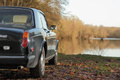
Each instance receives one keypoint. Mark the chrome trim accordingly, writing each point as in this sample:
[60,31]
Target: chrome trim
[2,57]
[3,36]
[36,35]
[50,57]
[52,37]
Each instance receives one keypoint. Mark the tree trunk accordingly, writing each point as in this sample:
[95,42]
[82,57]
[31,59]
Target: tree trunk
[18,2]
[12,2]
[21,3]
[4,2]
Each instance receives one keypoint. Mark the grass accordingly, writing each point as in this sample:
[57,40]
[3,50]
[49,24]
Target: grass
[83,67]
[74,67]
[90,64]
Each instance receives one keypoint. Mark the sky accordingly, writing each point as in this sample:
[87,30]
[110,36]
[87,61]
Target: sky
[96,12]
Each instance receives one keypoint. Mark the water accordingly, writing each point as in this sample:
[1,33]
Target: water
[109,47]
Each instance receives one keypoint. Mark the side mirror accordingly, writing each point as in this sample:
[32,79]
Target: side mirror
[53,27]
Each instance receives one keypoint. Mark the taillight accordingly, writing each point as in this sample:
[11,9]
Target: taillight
[25,39]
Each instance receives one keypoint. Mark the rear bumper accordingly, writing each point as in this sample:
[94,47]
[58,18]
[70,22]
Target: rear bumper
[13,61]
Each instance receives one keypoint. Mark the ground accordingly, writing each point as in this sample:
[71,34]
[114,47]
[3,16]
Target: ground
[73,67]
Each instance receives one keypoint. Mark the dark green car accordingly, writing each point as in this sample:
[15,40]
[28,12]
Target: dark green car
[26,40]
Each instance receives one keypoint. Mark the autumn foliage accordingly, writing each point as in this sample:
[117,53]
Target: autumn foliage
[72,27]
[69,27]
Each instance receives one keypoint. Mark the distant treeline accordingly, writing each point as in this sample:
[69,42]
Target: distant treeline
[67,27]
[72,27]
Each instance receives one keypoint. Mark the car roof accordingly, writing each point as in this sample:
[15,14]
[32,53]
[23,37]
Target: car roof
[15,7]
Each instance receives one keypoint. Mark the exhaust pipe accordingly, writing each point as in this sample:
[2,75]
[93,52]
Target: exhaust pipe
[20,67]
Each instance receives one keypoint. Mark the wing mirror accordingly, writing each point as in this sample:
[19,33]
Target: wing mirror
[53,27]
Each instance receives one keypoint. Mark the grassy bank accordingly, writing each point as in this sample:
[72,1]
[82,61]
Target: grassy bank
[84,67]
[73,67]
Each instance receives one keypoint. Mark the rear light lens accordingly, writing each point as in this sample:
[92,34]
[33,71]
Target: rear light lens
[25,39]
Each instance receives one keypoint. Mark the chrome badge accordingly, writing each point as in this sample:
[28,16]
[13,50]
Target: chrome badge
[6,47]
[3,36]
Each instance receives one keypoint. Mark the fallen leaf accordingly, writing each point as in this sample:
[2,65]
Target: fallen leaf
[71,73]
[112,71]
[70,65]
[81,63]
[58,64]
[96,67]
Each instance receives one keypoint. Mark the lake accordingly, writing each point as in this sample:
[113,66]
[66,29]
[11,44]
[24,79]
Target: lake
[109,47]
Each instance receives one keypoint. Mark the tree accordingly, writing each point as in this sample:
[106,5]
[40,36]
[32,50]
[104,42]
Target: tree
[53,9]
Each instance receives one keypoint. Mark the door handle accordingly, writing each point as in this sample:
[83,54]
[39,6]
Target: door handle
[47,31]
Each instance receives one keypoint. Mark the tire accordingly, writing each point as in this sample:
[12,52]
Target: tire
[39,70]
[54,60]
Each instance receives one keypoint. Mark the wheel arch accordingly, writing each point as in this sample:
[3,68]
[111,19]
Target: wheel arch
[44,45]
[57,44]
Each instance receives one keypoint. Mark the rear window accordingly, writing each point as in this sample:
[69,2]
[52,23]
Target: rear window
[16,17]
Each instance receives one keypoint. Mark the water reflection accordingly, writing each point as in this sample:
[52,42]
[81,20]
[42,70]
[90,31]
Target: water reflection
[94,47]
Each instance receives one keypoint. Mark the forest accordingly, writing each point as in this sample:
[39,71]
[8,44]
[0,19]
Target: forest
[68,27]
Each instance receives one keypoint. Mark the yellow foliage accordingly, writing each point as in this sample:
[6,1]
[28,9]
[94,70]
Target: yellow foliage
[67,27]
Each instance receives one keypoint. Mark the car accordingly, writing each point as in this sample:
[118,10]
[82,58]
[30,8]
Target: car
[26,40]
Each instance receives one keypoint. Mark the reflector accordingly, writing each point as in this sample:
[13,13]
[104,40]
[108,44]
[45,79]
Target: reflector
[26,34]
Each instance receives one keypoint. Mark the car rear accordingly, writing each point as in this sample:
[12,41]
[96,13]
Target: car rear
[14,23]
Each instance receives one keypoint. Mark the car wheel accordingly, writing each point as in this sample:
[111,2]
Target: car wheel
[39,70]
[53,61]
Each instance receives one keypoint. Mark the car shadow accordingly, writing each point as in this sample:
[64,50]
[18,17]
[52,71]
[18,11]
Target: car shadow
[23,74]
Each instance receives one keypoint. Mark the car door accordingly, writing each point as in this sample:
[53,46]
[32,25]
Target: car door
[48,35]
[53,39]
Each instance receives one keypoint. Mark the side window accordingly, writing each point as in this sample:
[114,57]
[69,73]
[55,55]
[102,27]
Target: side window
[44,22]
[39,20]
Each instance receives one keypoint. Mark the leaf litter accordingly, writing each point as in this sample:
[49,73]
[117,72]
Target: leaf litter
[72,67]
